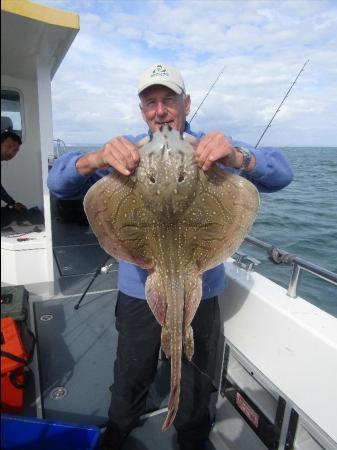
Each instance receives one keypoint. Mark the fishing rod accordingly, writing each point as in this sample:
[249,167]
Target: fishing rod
[277,110]
[208,92]
[280,105]
[103,268]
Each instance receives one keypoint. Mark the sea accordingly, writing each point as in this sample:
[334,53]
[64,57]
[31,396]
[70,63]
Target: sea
[301,219]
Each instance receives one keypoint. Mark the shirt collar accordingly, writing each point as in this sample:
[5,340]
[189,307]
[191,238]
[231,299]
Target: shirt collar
[187,129]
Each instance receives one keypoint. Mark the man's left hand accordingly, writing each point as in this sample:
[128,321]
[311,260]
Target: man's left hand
[215,146]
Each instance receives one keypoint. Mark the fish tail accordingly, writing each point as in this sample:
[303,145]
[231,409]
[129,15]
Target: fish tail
[175,384]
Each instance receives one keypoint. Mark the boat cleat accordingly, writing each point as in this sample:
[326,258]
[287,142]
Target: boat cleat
[245,262]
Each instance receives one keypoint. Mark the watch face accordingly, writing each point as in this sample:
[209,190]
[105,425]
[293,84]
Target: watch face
[246,159]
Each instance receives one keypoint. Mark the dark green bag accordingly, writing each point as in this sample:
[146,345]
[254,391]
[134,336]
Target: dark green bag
[14,302]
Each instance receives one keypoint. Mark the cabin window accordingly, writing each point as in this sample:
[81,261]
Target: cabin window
[11,119]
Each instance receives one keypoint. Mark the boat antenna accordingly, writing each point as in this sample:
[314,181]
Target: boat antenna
[208,92]
[280,105]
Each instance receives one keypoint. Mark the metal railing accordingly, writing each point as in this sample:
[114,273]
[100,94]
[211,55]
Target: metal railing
[279,256]
[59,148]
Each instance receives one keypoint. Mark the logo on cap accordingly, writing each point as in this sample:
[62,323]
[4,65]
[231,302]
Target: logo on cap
[159,71]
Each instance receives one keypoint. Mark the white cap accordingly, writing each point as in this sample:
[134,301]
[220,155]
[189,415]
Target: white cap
[164,75]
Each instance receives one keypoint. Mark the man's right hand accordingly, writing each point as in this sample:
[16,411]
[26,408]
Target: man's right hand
[118,153]
[19,207]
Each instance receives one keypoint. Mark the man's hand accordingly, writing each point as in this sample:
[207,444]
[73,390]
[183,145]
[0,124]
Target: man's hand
[215,146]
[119,153]
[19,207]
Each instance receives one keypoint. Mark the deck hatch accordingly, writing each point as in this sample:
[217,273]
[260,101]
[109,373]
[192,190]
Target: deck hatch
[261,410]
[303,433]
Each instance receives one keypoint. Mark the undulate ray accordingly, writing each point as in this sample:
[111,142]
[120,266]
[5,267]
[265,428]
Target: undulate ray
[175,221]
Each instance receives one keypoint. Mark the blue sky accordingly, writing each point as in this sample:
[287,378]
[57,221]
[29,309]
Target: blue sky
[261,44]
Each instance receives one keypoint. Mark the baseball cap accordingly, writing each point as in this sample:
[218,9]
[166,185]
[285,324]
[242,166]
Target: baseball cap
[164,75]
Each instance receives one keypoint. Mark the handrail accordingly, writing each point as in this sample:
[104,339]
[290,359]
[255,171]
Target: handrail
[59,144]
[279,256]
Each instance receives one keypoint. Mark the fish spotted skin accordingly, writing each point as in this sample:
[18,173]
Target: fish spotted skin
[175,221]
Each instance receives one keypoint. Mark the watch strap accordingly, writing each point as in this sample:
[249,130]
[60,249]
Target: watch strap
[247,156]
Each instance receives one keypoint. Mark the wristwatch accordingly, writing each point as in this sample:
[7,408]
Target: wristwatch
[247,156]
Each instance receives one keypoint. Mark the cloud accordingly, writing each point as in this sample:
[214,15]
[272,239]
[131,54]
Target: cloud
[261,45]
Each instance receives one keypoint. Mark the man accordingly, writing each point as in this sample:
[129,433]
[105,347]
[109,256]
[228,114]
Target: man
[10,145]
[163,99]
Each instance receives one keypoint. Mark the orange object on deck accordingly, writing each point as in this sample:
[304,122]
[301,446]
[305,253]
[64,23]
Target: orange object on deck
[13,361]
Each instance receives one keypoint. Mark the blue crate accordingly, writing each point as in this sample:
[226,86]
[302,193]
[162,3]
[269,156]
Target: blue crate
[25,433]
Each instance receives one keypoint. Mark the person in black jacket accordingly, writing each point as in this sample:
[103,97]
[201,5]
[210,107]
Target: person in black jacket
[10,145]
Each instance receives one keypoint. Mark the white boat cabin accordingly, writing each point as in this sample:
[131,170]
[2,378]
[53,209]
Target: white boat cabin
[34,40]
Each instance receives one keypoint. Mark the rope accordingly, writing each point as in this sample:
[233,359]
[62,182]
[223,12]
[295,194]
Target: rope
[277,256]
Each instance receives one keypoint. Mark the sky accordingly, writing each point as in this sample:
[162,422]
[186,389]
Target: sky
[259,45]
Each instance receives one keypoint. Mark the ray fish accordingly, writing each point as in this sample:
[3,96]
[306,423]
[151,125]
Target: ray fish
[176,221]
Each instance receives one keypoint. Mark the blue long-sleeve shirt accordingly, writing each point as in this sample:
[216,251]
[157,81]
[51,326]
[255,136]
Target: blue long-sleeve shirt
[272,172]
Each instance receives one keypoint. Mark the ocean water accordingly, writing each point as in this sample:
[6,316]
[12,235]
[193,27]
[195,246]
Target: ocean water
[300,219]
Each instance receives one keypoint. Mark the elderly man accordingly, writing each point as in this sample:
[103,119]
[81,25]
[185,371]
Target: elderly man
[163,100]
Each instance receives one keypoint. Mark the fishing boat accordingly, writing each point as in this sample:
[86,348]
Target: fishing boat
[277,360]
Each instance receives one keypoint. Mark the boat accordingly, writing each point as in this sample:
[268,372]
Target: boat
[277,360]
